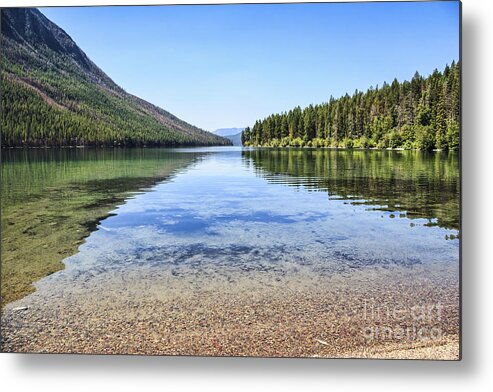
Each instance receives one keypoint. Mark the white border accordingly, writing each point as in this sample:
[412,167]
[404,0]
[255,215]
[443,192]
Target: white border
[473,373]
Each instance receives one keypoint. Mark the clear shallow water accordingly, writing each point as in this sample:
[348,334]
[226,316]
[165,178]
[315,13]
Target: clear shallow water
[227,211]
[248,244]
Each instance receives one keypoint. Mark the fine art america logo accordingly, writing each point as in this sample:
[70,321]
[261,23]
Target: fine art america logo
[397,323]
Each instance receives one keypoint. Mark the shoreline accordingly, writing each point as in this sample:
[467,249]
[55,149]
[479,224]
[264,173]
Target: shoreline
[355,148]
[218,145]
[302,315]
[104,147]
[447,349]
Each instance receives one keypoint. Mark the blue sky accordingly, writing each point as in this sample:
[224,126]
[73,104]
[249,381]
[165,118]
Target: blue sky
[226,66]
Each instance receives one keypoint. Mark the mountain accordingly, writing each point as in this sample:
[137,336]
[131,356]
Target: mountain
[235,139]
[233,134]
[54,95]
[228,131]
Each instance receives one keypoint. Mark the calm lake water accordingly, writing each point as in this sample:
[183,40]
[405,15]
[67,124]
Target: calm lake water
[223,205]
[232,215]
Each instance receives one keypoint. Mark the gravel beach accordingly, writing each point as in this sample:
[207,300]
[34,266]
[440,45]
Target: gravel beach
[400,313]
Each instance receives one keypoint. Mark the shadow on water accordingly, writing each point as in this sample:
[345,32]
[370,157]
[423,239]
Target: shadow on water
[417,184]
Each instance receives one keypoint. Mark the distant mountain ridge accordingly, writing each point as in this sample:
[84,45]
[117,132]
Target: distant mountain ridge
[227,131]
[233,134]
[54,95]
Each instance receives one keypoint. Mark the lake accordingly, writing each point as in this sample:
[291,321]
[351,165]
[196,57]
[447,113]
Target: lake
[230,251]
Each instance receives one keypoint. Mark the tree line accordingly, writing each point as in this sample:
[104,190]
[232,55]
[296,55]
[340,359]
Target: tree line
[423,114]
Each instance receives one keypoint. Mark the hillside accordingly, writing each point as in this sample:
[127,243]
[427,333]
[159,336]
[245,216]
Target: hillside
[423,114]
[54,95]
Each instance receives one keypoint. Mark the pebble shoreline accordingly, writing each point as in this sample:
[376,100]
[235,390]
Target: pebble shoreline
[328,317]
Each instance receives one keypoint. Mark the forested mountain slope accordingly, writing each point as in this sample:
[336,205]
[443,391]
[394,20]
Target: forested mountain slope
[422,113]
[54,95]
